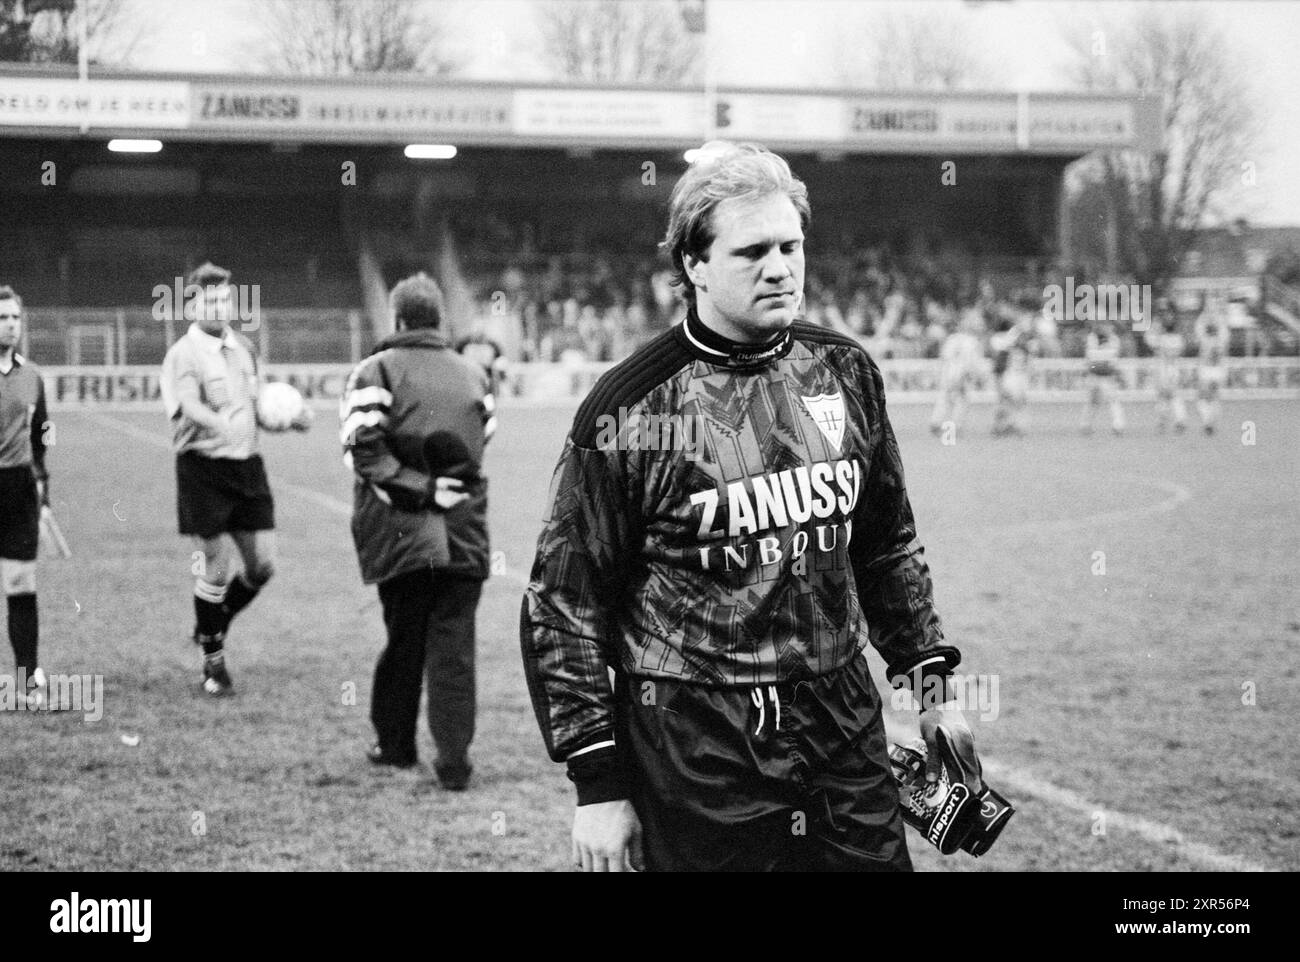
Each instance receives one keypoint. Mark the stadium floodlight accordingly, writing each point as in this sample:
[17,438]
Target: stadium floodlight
[430,151]
[702,153]
[135,146]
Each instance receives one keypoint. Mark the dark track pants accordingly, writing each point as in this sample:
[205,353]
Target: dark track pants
[815,794]
[430,621]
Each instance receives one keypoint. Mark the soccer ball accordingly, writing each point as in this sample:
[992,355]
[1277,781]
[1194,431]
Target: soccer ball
[279,405]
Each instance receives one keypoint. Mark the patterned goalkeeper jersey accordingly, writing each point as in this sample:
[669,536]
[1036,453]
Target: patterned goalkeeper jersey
[727,515]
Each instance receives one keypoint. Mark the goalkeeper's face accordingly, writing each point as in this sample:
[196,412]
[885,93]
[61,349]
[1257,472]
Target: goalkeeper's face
[751,285]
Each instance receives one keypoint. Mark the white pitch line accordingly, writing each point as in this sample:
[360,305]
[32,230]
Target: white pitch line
[1018,780]
[1178,495]
[1152,831]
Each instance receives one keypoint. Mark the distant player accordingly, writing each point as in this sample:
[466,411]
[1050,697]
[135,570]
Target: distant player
[487,354]
[1170,407]
[1011,349]
[1102,351]
[24,487]
[960,360]
[209,389]
[1212,348]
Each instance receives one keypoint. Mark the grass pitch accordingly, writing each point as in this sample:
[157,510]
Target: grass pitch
[1126,731]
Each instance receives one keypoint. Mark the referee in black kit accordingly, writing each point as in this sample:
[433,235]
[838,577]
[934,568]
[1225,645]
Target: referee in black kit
[23,489]
[416,418]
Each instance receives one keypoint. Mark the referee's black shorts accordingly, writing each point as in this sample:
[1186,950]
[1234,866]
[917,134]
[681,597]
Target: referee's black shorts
[20,514]
[217,495]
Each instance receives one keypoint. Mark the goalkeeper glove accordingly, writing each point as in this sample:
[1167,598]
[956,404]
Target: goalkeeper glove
[947,813]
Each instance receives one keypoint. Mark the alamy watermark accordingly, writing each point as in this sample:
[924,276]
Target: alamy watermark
[1124,303]
[78,693]
[77,916]
[970,693]
[636,431]
[233,302]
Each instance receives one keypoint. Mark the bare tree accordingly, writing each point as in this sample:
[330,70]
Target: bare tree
[914,48]
[1156,201]
[617,41]
[49,31]
[338,38]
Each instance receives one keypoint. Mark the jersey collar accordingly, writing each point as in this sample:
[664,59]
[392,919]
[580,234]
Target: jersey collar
[708,345]
[210,342]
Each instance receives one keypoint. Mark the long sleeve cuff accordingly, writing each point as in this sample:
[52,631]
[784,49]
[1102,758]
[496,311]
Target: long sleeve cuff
[929,680]
[599,775]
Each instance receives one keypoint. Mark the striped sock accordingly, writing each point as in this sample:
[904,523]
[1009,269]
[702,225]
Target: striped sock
[209,599]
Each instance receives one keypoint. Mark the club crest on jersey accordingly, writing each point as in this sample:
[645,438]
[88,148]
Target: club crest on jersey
[827,412]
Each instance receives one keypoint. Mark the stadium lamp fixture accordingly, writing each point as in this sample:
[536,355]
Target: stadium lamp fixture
[430,151]
[135,146]
[699,153]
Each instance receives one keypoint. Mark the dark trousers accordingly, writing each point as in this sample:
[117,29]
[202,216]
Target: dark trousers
[720,785]
[430,620]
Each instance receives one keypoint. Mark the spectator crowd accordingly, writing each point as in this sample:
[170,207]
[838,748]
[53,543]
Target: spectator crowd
[600,306]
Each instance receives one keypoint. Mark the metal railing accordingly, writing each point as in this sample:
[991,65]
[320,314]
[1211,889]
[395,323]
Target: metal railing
[133,335]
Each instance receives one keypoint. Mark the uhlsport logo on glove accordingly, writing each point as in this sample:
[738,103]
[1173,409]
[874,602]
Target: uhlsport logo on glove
[951,815]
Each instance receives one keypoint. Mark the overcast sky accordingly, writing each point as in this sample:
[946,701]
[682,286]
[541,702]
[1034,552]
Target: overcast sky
[796,43]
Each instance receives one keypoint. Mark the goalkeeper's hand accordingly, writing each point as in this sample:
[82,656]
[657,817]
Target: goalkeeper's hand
[936,796]
[43,491]
[961,741]
[607,837]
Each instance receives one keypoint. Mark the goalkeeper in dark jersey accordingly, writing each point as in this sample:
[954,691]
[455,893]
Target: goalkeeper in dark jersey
[730,565]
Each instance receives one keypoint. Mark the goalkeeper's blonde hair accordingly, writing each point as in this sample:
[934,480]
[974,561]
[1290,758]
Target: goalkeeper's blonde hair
[723,171]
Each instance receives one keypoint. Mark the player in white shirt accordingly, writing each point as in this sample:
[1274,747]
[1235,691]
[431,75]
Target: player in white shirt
[961,358]
[1212,347]
[1102,351]
[1169,347]
[1011,348]
[209,386]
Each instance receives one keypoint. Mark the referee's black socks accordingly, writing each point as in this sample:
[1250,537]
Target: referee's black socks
[23,630]
[240,594]
[209,613]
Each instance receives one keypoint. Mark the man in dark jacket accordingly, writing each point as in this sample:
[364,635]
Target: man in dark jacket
[416,417]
